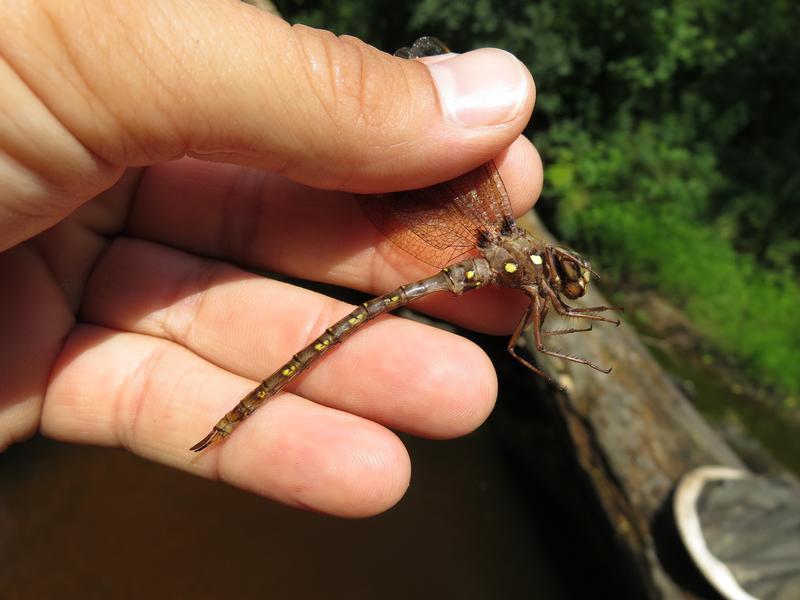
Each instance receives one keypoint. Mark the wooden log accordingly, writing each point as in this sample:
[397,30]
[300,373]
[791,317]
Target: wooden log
[634,433]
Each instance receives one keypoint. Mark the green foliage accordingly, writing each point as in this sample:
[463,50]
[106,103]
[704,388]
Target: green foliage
[636,199]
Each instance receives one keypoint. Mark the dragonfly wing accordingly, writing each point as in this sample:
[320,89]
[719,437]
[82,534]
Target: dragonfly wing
[434,233]
[481,195]
[424,46]
[443,222]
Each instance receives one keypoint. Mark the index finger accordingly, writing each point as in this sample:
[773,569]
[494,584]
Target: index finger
[270,223]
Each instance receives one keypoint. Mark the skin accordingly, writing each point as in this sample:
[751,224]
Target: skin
[146,150]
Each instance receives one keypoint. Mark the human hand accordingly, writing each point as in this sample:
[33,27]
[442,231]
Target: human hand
[124,320]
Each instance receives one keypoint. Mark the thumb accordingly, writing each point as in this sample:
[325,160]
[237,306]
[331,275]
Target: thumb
[118,84]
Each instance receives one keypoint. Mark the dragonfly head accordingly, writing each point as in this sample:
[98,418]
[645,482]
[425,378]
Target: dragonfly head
[574,273]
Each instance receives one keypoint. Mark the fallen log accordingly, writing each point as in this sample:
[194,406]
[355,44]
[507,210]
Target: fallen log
[633,432]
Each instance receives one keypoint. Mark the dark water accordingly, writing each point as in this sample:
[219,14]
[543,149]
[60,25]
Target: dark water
[777,435]
[97,523]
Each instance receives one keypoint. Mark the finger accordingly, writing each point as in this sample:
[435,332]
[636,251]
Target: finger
[274,224]
[33,324]
[155,398]
[400,373]
[224,81]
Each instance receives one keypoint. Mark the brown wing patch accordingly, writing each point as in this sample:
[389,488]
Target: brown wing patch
[446,221]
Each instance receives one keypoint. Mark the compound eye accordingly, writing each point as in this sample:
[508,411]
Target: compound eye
[574,289]
[571,270]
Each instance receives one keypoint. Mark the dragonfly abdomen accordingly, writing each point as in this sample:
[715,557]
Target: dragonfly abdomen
[458,278]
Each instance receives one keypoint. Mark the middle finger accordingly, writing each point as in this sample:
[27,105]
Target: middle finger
[394,371]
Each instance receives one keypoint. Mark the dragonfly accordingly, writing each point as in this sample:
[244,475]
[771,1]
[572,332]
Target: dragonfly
[464,227]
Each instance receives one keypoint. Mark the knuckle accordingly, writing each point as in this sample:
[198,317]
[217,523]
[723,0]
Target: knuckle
[355,84]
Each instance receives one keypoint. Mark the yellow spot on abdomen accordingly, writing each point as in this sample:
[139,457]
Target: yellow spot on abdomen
[510,267]
[470,274]
[261,394]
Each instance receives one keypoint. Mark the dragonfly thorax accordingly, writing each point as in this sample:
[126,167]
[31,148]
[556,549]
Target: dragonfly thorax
[517,259]
[520,260]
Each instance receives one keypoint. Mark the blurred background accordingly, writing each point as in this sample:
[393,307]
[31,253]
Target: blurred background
[669,133]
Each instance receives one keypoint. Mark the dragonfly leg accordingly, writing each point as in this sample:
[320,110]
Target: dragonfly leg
[560,331]
[533,314]
[579,313]
[594,309]
[537,338]
[566,331]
